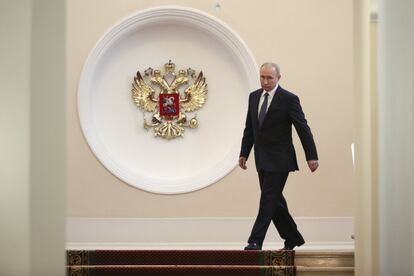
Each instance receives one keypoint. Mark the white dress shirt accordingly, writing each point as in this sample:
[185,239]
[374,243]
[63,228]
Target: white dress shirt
[269,98]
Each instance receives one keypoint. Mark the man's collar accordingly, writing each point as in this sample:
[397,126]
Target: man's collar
[271,92]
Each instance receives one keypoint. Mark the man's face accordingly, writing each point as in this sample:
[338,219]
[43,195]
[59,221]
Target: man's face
[268,77]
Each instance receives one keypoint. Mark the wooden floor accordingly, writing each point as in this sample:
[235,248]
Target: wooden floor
[315,263]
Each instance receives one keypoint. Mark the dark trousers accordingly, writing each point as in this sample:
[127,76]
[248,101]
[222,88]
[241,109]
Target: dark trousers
[273,207]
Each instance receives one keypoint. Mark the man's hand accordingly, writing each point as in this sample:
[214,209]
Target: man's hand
[313,165]
[242,162]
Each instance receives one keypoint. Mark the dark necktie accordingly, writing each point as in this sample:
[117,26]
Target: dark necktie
[263,108]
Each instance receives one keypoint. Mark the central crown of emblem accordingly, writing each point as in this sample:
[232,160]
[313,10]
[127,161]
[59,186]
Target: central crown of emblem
[171,96]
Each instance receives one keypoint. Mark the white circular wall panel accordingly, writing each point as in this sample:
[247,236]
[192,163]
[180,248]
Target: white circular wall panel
[113,125]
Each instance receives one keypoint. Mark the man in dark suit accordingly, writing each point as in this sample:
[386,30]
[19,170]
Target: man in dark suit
[272,111]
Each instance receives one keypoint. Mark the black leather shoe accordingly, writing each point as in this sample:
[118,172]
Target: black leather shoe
[253,246]
[289,246]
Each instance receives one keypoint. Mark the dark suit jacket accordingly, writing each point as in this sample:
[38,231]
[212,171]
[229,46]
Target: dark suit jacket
[273,147]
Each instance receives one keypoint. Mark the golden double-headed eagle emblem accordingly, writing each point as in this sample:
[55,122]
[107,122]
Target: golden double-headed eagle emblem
[171,96]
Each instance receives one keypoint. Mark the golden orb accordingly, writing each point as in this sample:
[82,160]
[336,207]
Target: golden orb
[193,123]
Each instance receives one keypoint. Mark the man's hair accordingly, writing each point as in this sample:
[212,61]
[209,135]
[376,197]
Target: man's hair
[274,65]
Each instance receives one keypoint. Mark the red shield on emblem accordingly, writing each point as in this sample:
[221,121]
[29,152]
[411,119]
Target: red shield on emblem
[169,104]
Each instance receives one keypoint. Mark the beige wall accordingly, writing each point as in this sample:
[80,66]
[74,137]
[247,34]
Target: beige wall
[15,65]
[311,40]
[32,140]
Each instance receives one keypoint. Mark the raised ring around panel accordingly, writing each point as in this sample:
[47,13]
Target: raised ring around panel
[112,125]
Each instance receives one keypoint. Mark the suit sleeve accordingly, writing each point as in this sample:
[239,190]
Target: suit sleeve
[305,135]
[248,139]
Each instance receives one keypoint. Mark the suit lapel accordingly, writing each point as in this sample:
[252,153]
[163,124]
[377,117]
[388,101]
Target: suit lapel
[276,98]
[275,102]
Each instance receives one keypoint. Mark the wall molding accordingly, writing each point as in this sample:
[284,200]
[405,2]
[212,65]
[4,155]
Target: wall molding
[118,138]
[321,233]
